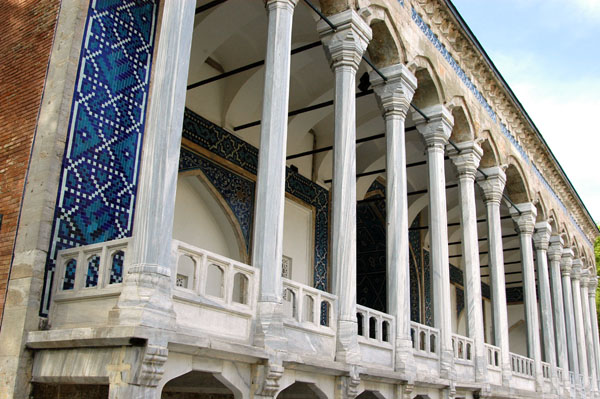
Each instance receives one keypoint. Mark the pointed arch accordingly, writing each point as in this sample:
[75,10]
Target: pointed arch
[385,48]
[517,187]
[463,128]
[429,86]
[491,155]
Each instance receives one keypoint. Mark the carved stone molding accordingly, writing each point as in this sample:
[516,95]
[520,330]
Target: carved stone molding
[153,365]
[268,379]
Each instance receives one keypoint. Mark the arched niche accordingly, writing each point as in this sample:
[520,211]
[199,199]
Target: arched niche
[203,219]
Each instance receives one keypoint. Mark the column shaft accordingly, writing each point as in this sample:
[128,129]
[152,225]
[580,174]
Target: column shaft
[493,187]
[466,159]
[565,266]
[587,323]
[344,49]
[146,295]
[579,323]
[526,221]
[593,285]
[267,244]
[394,96]
[554,255]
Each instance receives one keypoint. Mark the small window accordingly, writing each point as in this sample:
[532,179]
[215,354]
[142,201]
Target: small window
[385,331]
[289,303]
[308,309]
[215,280]
[186,269]
[240,288]
[373,328]
[116,268]
[422,340]
[91,279]
[360,320]
[432,344]
[69,279]
[325,313]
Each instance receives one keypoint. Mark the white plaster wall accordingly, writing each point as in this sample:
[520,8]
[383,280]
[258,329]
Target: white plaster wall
[517,330]
[201,221]
[298,240]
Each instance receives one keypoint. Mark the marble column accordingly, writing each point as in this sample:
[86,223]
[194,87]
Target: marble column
[394,96]
[493,186]
[146,295]
[541,240]
[524,215]
[587,323]
[578,313]
[267,246]
[436,132]
[565,268]
[592,286]
[344,48]
[466,159]
[554,254]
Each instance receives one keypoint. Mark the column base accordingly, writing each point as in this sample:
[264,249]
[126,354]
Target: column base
[269,333]
[405,361]
[347,349]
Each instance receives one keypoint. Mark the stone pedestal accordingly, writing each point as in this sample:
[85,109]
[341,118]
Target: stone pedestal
[344,48]
[436,132]
[394,96]
[466,159]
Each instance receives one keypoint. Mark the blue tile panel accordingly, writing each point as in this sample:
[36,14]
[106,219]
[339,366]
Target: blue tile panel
[96,198]
[116,268]
[507,133]
[240,196]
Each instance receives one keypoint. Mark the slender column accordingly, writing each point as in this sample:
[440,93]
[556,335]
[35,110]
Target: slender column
[146,295]
[565,268]
[554,254]
[525,221]
[267,244]
[344,49]
[589,345]
[492,187]
[541,239]
[436,133]
[592,286]
[394,96]
[578,312]
[466,159]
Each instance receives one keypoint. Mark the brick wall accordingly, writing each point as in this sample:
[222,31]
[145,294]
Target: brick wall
[27,31]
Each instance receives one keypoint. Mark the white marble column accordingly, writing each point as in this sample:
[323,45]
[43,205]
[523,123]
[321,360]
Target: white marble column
[565,268]
[146,295]
[394,96]
[344,48]
[466,159]
[554,254]
[592,286]
[267,245]
[524,215]
[541,240]
[578,313]
[587,323]
[436,133]
[493,186]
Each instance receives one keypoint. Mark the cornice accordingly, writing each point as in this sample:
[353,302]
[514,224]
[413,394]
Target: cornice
[502,106]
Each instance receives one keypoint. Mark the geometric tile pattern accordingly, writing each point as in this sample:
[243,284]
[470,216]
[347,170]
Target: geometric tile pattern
[69,280]
[116,269]
[96,198]
[240,153]
[507,133]
[91,279]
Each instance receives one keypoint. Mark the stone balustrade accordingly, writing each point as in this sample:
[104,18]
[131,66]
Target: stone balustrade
[522,366]
[310,307]
[493,356]
[463,348]
[546,370]
[425,339]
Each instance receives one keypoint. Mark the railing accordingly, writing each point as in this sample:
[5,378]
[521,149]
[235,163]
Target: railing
[374,325]
[90,268]
[308,305]
[425,339]
[218,280]
[463,348]
[521,365]
[493,356]
[559,373]
[546,370]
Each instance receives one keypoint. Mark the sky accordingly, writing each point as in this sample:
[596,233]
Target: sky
[548,51]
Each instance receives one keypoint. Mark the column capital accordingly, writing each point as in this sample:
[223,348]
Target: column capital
[555,249]
[541,236]
[395,94]
[592,285]
[566,261]
[493,184]
[466,158]
[585,278]
[576,269]
[346,45]
[437,130]
[271,4]
[524,215]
